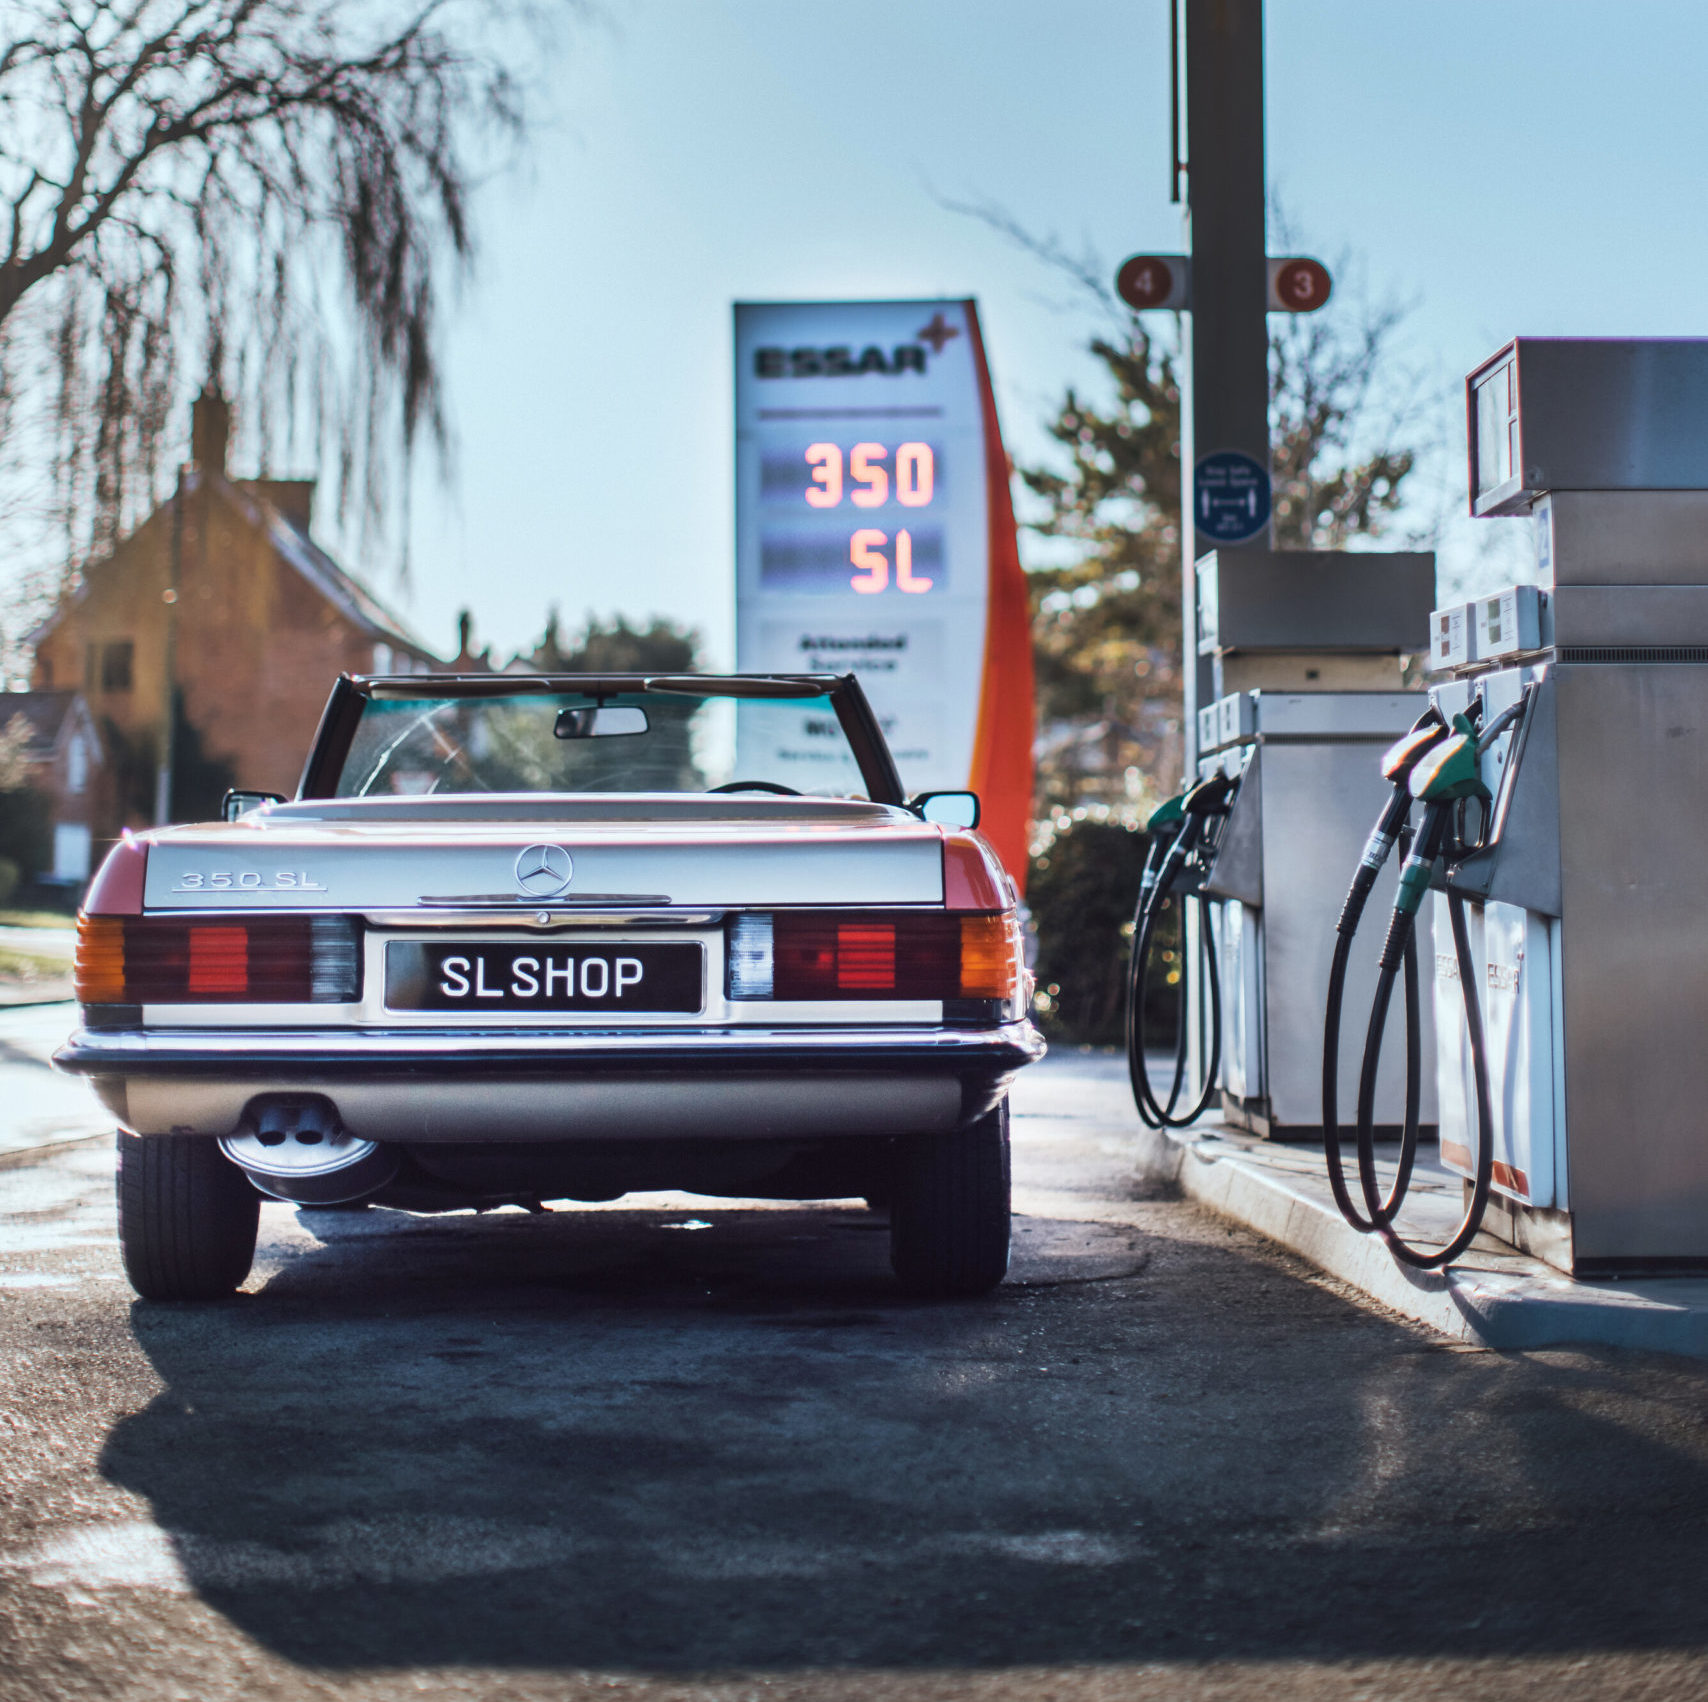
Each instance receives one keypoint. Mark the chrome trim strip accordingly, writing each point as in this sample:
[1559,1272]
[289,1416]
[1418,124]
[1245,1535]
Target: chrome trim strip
[102,1051]
[517,913]
[563,901]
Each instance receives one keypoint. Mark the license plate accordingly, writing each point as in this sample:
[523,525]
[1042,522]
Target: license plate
[611,978]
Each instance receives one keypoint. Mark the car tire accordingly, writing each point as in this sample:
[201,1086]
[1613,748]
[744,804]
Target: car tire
[949,1211]
[188,1217]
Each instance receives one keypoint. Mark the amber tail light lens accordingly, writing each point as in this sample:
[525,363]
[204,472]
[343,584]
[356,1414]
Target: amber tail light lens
[991,956]
[829,954]
[282,960]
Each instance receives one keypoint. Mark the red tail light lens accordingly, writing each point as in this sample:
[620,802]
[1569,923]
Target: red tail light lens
[273,960]
[828,954]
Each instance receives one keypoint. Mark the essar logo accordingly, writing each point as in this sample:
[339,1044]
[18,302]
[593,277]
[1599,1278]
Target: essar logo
[838,362]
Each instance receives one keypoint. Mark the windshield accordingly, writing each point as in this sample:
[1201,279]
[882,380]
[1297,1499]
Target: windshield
[596,741]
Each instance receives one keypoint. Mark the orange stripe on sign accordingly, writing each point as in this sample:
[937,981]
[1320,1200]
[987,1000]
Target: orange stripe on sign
[1002,746]
[219,960]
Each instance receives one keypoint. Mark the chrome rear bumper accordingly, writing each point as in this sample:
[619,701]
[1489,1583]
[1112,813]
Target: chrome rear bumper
[462,1085]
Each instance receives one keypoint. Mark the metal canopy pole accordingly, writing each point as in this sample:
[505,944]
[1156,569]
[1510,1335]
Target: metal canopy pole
[1227,393]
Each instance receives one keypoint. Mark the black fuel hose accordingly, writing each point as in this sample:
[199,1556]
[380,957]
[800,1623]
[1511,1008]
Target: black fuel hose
[1399,951]
[1346,930]
[1204,801]
[1427,1259]
[1390,830]
[1154,859]
[1400,955]
[1153,1113]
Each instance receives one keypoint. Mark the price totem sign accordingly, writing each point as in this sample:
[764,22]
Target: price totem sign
[875,535]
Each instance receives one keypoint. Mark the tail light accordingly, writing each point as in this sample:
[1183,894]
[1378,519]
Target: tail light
[269,960]
[890,954]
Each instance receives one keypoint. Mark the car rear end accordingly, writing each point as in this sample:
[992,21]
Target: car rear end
[835,975]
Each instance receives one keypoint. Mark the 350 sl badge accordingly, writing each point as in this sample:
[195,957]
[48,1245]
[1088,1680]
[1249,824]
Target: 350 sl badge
[247,880]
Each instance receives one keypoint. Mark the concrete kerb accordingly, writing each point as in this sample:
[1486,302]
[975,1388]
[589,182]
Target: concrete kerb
[1496,1298]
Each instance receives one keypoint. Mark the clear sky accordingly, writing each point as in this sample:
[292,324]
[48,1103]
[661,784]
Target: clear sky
[1508,166]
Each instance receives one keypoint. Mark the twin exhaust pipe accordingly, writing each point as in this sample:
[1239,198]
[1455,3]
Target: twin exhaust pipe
[296,1148]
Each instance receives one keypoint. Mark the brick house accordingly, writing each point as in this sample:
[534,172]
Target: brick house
[66,767]
[224,587]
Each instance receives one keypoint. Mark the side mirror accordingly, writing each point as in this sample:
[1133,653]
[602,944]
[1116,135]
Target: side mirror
[239,803]
[947,809]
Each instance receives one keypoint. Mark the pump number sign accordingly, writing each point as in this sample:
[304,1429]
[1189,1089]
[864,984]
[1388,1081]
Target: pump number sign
[871,538]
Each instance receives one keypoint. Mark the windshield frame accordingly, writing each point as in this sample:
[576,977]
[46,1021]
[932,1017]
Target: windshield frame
[351,692]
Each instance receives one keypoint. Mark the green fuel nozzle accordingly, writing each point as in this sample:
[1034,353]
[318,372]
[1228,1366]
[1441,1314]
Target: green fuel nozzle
[1170,814]
[1443,774]
[1449,771]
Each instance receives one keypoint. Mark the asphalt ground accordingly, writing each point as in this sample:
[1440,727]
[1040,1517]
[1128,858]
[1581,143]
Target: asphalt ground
[706,1450]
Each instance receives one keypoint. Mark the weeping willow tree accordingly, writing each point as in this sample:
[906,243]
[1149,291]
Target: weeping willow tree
[274,194]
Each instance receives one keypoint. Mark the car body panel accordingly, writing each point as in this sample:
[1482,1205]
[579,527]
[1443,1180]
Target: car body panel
[362,862]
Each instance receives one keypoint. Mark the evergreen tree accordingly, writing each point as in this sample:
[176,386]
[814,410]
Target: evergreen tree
[1107,629]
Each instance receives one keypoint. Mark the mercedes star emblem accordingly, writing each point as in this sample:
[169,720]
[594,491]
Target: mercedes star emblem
[543,871]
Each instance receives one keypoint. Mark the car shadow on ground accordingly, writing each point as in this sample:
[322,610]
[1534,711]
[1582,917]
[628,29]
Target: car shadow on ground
[620,1441]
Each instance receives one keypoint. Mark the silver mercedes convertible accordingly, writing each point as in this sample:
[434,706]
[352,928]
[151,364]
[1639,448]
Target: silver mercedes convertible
[507,945]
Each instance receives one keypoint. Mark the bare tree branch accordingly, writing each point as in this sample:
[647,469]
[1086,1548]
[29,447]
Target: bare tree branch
[180,177]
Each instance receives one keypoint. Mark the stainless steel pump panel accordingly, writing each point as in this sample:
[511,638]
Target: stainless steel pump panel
[1646,537]
[1316,600]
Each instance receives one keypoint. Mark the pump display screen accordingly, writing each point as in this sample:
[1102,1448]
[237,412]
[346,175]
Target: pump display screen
[1495,456]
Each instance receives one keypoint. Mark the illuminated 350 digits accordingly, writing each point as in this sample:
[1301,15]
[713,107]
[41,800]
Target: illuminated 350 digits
[915,477]
[866,552]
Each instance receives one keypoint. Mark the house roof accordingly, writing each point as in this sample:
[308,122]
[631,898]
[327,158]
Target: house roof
[46,712]
[346,593]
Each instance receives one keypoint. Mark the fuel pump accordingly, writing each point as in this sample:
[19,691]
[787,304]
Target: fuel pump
[1190,823]
[1558,854]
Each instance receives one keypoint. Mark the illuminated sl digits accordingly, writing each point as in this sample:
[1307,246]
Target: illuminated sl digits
[825,459]
[865,551]
[906,579]
[875,479]
[916,474]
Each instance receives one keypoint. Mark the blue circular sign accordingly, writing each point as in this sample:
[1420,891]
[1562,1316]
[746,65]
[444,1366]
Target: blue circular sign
[1230,497]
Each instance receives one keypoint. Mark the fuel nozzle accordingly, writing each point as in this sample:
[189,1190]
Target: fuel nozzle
[1170,814]
[1401,757]
[1204,803]
[1208,797]
[1165,818]
[1398,763]
[1185,816]
[1447,772]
